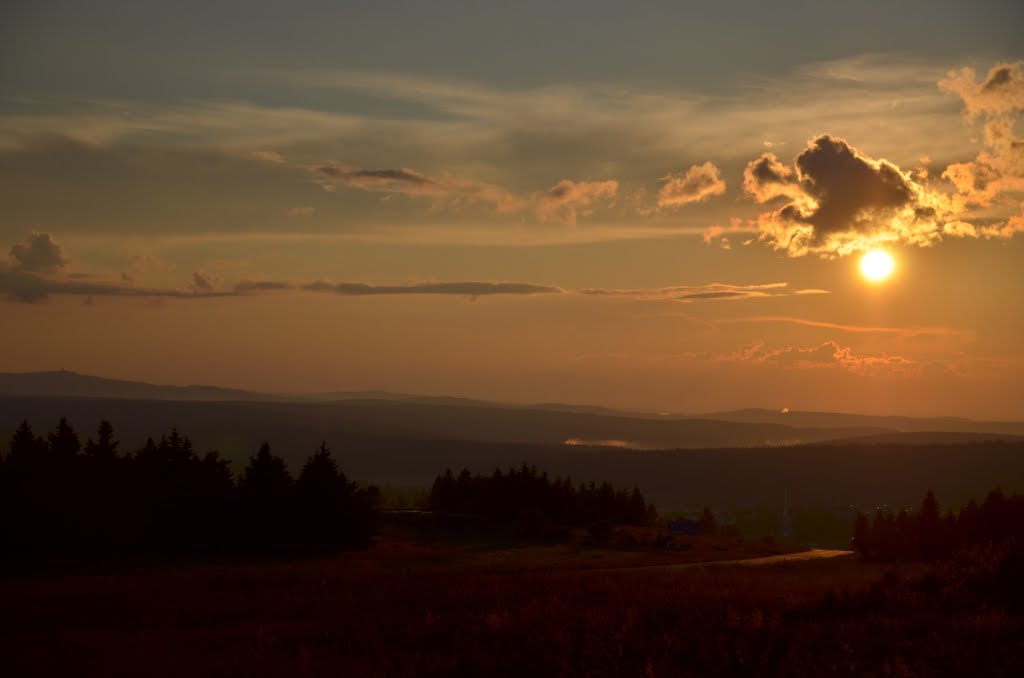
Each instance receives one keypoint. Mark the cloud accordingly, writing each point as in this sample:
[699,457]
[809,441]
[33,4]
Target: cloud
[997,101]
[28,287]
[302,211]
[472,289]
[443,190]
[38,253]
[564,202]
[827,355]
[567,199]
[713,291]
[839,201]
[907,332]
[269,156]
[253,286]
[203,283]
[698,184]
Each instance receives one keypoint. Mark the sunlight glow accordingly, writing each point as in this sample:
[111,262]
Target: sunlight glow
[876,265]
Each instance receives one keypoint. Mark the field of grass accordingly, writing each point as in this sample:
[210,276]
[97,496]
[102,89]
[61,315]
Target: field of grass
[407,609]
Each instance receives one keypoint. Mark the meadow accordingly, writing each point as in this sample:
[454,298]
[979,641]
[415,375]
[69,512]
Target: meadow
[412,609]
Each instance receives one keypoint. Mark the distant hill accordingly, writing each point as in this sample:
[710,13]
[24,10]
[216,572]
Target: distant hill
[929,438]
[800,419]
[65,383]
[237,427]
[236,421]
[681,463]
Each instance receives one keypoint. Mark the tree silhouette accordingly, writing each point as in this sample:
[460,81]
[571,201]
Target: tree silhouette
[105,447]
[64,443]
[264,493]
[325,501]
[24,444]
[62,503]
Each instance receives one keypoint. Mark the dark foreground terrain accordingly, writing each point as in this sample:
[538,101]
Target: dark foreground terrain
[408,610]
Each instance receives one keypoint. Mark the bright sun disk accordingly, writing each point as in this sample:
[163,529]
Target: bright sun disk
[876,265]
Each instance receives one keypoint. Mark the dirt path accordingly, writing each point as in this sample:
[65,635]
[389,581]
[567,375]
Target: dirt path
[813,554]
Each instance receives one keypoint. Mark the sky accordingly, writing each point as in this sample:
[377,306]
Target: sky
[647,205]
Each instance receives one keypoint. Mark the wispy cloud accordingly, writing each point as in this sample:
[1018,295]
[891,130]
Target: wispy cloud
[22,284]
[699,183]
[467,289]
[844,327]
[713,291]
[564,202]
[828,354]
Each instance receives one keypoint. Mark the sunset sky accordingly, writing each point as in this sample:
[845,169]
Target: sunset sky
[644,205]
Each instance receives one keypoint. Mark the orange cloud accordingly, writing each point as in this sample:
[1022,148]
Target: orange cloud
[840,201]
[564,202]
[997,102]
[859,329]
[698,184]
[567,199]
[828,354]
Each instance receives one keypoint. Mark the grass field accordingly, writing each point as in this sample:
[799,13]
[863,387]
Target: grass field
[406,609]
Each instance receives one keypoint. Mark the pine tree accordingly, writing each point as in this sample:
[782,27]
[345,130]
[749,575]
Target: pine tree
[24,444]
[105,447]
[63,442]
[265,493]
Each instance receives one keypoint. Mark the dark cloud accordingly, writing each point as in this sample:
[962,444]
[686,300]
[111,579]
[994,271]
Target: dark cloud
[845,183]
[834,186]
[252,286]
[27,287]
[38,253]
[715,295]
[472,289]
[374,177]
[203,283]
[841,201]
[767,178]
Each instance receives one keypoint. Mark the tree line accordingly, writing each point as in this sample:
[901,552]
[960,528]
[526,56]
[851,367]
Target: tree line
[61,499]
[525,493]
[929,535]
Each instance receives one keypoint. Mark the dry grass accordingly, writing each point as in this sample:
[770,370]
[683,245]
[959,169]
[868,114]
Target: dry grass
[406,609]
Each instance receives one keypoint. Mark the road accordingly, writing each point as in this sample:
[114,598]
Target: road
[813,554]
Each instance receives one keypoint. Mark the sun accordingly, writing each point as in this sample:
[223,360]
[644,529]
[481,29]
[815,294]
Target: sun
[877,265]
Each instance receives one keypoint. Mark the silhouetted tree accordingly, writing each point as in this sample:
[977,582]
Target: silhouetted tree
[533,498]
[326,503]
[64,443]
[264,493]
[24,444]
[105,447]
